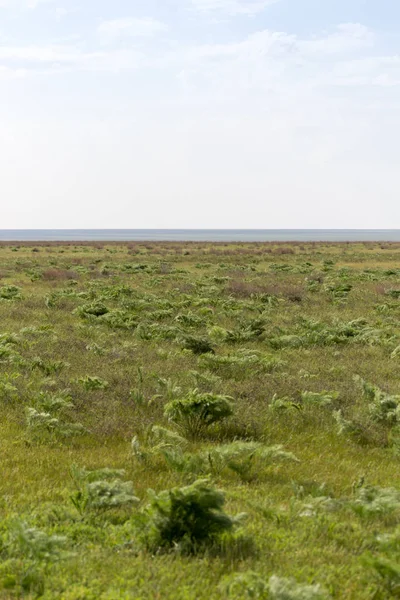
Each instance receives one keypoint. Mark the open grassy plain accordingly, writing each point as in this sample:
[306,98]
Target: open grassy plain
[269,372]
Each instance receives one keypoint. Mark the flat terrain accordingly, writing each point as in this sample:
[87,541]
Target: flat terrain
[104,351]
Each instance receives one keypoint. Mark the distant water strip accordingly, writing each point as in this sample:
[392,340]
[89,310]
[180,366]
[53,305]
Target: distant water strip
[200,235]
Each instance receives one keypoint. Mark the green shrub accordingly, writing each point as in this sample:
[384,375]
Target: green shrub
[187,518]
[338,290]
[101,490]
[48,418]
[284,404]
[168,388]
[353,429]
[93,383]
[119,319]
[43,424]
[383,407]
[247,459]
[281,588]
[93,309]
[240,586]
[252,585]
[205,380]
[319,398]
[34,544]
[159,440]
[54,402]
[10,292]
[196,412]
[241,364]
[388,573]
[8,391]
[197,345]
[374,501]
[48,367]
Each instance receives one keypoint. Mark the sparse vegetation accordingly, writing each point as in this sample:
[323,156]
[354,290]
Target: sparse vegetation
[148,392]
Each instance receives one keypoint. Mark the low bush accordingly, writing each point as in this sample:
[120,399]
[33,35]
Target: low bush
[195,413]
[187,518]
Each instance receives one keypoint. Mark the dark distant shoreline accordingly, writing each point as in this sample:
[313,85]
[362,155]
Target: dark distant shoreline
[199,235]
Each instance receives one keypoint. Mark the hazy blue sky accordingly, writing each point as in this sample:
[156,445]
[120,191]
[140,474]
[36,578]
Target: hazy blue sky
[200,113]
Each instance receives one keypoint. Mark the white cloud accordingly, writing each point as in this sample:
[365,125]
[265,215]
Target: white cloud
[40,54]
[268,58]
[22,4]
[344,56]
[35,3]
[232,7]
[347,38]
[56,58]
[373,71]
[130,27]
[274,44]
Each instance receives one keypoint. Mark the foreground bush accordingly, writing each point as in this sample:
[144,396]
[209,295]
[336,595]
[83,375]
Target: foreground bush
[252,585]
[187,518]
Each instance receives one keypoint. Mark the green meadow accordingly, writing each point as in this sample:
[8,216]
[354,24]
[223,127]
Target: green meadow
[200,421]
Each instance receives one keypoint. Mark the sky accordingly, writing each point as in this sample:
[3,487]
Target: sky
[199,114]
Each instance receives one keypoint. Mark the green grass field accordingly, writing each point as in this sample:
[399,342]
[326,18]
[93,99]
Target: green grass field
[269,372]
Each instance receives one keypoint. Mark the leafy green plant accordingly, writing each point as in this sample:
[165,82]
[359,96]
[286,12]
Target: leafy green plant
[319,398]
[197,345]
[373,500]
[101,490]
[35,544]
[252,585]
[247,459]
[161,437]
[93,309]
[244,585]
[40,423]
[241,364]
[186,518]
[388,574]
[119,319]
[8,391]
[284,404]
[383,407]
[353,429]
[93,383]
[158,440]
[195,413]
[10,292]
[190,320]
[49,419]
[282,588]
[49,367]
[169,389]
[338,290]
[205,380]
[316,333]
[57,402]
